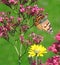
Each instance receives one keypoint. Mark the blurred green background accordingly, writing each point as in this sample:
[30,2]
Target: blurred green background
[8,55]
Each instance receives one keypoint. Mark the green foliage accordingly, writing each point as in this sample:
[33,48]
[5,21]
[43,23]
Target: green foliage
[7,53]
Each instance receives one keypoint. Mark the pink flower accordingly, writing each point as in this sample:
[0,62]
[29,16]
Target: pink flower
[6,18]
[11,17]
[24,27]
[21,6]
[41,9]
[55,60]
[36,38]
[13,1]
[28,7]
[34,10]
[58,37]
[32,34]
[55,47]
[33,63]
[5,1]
[28,42]
[1,34]
[2,13]
[19,19]
[28,10]
[9,26]
[22,9]
[3,31]
[1,19]
[22,38]
[52,48]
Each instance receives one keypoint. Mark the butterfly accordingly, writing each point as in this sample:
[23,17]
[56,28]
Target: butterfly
[42,23]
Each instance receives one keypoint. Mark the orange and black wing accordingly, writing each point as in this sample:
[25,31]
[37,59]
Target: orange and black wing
[43,23]
[47,26]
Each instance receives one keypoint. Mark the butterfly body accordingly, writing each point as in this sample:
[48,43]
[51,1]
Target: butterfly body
[42,23]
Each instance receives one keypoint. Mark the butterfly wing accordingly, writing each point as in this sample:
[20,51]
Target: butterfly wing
[38,25]
[37,22]
[43,23]
[47,26]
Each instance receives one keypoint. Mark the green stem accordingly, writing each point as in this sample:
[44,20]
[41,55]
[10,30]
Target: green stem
[16,50]
[36,60]
[20,49]
[24,52]
[20,54]
[19,61]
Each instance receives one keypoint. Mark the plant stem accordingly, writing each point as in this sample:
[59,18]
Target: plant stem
[16,50]
[19,61]
[20,49]
[24,52]
[36,60]
[20,54]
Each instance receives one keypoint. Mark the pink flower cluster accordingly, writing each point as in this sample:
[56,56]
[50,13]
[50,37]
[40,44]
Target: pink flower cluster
[55,60]
[1,19]
[55,47]
[3,31]
[22,9]
[13,2]
[24,28]
[35,10]
[21,38]
[36,38]
[5,2]
[31,10]
[58,36]
[7,24]
[8,2]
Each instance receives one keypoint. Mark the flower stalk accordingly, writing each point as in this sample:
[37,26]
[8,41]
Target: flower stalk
[16,50]
[20,54]
[36,60]
[20,49]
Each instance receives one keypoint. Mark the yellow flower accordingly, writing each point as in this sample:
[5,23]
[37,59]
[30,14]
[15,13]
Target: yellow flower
[37,50]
